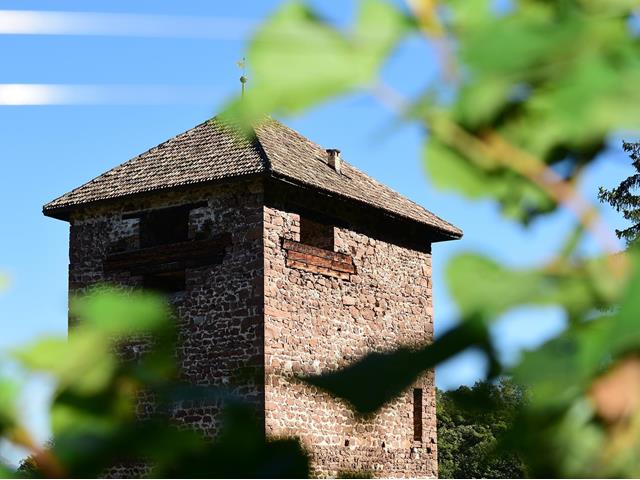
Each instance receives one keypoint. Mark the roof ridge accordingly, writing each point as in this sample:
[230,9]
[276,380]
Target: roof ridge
[267,161]
[254,140]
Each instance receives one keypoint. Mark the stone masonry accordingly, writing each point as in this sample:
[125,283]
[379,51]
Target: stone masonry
[220,308]
[317,322]
[274,278]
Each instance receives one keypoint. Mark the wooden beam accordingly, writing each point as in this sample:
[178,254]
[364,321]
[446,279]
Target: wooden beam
[318,260]
[175,256]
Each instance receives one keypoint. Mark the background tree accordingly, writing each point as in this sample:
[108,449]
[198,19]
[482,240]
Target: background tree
[623,198]
[472,425]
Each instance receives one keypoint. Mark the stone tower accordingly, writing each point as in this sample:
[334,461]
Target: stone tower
[278,256]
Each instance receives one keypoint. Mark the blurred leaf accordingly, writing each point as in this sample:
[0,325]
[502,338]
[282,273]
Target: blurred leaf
[579,287]
[84,363]
[552,80]
[480,102]
[119,313]
[239,451]
[616,394]
[297,59]
[624,333]
[169,395]
[563,368]
[610,6]
[9,391]
[577,440]
[92,453]
[6,471]
[450,170]
[377,378]
[463,15]
[100,413]
[528,73]
[572,242]
[560,371]
[426,11]
[87,363]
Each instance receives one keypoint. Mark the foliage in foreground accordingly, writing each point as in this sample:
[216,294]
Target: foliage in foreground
[472,425]
[99,393]
[527,99]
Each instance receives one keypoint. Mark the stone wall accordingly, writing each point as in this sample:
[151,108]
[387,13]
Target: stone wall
[269,310]
[220,311]
[317,322]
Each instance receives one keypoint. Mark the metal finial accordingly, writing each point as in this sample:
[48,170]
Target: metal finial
[243,79]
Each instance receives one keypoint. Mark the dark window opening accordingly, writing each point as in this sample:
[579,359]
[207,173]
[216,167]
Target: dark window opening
[417,414]
[166,283]
[161,227]
[316,234]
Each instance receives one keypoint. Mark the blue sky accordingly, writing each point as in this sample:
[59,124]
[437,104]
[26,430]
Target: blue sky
[47,150]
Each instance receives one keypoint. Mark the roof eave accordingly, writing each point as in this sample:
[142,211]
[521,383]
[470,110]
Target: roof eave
[442,235]
[63,212]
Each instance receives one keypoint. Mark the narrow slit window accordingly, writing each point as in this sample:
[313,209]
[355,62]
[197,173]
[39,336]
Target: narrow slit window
[316,234]
[417,414]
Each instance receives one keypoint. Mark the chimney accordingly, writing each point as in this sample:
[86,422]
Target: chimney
[333,159]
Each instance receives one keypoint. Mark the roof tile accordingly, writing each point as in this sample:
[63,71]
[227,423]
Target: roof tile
[213,151]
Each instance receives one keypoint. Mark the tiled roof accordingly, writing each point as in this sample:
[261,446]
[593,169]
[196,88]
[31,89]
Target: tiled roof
[213,151]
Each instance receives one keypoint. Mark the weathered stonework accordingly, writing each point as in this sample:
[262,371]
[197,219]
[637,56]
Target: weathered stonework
[317,322]
[220,310]
[274,306]
[281,260]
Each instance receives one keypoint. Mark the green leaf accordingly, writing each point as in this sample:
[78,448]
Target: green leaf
[561,370]
[610,6]
[240,451]
[513,44]
[6,471]
[117,313]
[9,391]
[624,333]
[578,287]
[87,363]
[377,378]
[480,102]
[558,372]
[578,440]
[464,15]
[84,363]
[527,75]
[100,413]
[449,170]
[297,59]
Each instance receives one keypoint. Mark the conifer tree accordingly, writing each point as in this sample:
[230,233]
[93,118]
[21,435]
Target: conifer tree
[624,198]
